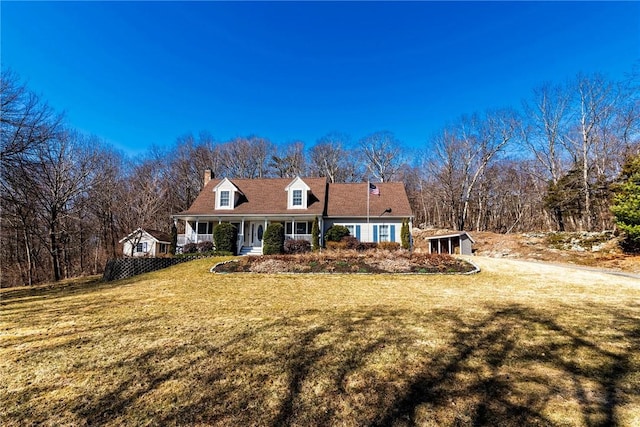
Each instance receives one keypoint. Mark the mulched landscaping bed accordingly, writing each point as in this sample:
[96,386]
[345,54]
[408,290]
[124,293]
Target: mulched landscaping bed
[347,262]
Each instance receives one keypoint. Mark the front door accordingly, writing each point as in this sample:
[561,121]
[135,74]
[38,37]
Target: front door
[257,236]
[254,235]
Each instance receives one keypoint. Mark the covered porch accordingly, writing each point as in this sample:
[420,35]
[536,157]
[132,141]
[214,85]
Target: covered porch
[250,230]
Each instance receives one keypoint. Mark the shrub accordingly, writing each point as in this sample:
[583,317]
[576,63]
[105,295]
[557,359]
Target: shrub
[273,239]
[389,246]
[351,242]
[297,246]
[315,234]
[336,245]
[225,235]
[336,232]
[190,248]
[405,234]
[367,246]
[205,247]
[210,253]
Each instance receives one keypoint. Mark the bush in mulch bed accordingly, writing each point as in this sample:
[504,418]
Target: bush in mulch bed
[347,262]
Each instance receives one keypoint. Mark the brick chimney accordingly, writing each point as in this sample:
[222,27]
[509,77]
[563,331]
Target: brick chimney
[207,176]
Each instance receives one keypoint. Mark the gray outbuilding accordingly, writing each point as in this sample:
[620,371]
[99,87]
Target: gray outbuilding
[459,243]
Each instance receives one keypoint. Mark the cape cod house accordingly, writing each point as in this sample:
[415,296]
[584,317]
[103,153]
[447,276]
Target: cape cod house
[371,212]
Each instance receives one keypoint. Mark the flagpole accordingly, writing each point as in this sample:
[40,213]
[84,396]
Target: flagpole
[368,195]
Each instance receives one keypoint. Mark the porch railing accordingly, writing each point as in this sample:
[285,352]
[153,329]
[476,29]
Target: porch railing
[306,237]
[183,239]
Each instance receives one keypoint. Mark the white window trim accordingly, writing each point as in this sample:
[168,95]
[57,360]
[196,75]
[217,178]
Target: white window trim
[297,185]
[293,198]
[387,236]
[228,204]
[225,185]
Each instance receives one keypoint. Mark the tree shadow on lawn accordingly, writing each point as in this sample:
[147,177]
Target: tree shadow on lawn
[512,366]
[13,296]
[516,383]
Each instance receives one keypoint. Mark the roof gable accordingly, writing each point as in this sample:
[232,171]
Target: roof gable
[147,234]
[297,183]
[225,184]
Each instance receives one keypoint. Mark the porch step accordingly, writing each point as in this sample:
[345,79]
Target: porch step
[250,250]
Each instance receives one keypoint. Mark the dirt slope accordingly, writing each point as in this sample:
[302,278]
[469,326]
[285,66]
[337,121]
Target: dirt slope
[589,249]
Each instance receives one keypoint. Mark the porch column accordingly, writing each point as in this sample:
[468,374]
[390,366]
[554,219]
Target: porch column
[263,231]
[450,246]
[439,246]
[242,231]
[293,228]
[196,233]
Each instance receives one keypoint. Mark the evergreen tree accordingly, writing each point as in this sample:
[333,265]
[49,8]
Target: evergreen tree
[626,204]
[273,242]
[225,236]
[405,234]
[315,234]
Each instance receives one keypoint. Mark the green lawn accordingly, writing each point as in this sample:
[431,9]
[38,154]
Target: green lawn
[184,346]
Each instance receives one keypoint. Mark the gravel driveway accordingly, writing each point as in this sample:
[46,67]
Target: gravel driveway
[563,273]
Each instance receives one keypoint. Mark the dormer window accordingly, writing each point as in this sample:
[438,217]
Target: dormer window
[297,194]
[297,198]
[224,199]
[226,194]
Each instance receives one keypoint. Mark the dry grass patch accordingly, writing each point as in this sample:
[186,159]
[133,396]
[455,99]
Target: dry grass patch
[183,346]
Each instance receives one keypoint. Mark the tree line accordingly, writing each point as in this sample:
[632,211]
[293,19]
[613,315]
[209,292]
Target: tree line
[550,164]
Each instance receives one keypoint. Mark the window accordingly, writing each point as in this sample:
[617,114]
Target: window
[352,230]
[141,247]
[297,197]
[205,228]
[301,228]
[224,199]
[384,233]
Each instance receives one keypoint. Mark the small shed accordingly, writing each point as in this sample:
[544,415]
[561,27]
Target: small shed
[459,243]
[146,242]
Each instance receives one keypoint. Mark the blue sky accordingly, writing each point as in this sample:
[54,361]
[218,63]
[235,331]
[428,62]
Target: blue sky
[144,73]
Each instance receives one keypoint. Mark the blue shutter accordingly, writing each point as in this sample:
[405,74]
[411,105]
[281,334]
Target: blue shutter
[375,233]
[392,237]
[358,232]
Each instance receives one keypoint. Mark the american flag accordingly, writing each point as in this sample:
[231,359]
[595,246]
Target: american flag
[373,190]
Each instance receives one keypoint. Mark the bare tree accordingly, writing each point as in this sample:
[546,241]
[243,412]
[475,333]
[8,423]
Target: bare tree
[462,153]
[290,161]
[189,159]
[330,158]
[65,171]
[27,125]
[382,155]
[595,105]
[546,123]
[145,190]
[25,121]
[247,157]
[106,203]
